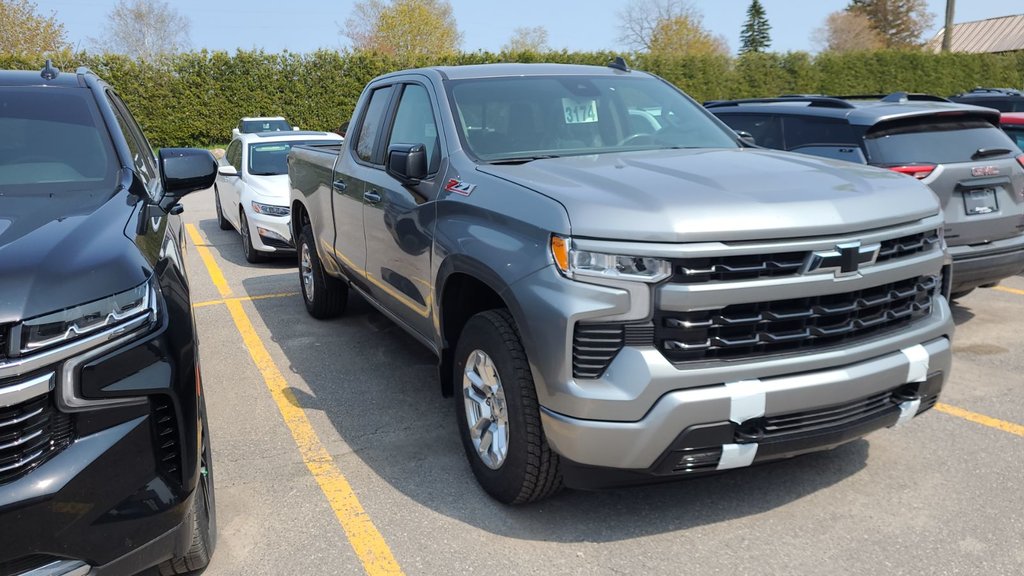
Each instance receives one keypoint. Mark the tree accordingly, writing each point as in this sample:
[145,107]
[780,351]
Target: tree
[846,31]
[667,27]
[24,31]
[755,36]
[144,29]
[525,39]
[404,28]
[900,22]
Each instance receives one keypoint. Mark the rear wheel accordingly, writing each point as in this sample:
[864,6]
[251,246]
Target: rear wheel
[252,255]
[204,519]
[222,222]
[324,296]
[498,413]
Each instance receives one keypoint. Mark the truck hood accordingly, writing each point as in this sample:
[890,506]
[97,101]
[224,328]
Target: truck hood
[720,195]
[269,189]
[59,250]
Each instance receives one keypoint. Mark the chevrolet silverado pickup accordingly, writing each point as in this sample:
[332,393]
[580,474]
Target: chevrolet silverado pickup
[619,289]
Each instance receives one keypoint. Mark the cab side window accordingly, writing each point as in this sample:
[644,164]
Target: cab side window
[415,124]
[765,128]
[142,155]
[371,122]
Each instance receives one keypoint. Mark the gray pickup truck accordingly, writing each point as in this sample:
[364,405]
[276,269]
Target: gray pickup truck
[619,290]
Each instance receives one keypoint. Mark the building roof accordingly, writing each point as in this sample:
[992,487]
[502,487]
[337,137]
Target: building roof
[1004,34]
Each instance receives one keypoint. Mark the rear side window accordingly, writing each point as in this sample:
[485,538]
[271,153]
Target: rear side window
[934,141]
[1016,133]
[806,131]
[55,137]
[766,129]
[372,121]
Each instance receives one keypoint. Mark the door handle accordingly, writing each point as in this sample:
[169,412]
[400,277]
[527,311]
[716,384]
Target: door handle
[372,196]
[339,185]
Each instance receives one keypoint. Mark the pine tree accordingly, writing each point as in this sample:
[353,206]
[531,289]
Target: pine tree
[755,36]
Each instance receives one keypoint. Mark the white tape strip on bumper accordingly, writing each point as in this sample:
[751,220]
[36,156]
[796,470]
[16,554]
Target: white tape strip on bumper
[746,401]
[908,410]
[737,456]
[917,356]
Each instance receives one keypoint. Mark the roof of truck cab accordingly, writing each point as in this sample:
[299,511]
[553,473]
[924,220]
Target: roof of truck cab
[33,78]
[513,69]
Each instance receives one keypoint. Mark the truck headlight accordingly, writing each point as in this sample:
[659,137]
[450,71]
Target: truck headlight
[72,323]
[270,209]
[580,264]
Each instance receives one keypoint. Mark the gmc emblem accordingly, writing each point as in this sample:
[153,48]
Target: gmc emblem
[845,260]
[984,171]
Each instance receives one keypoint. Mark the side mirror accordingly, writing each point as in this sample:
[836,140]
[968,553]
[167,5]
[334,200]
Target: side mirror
[184,170]
[227,170]
[747,137]
[407,163]
[234,132]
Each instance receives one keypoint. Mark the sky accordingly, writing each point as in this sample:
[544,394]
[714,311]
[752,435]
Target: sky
[576,25]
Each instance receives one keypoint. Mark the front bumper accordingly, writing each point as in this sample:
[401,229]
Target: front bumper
[724,426]
[270,234]
[974,266]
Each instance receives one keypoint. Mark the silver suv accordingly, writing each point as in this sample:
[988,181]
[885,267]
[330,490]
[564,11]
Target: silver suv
[956,149]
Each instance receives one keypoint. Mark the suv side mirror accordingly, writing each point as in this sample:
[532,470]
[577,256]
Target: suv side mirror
[184,170]
[747,137]
[407,163]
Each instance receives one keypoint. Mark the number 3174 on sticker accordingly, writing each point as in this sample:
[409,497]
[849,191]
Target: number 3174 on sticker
[579,111]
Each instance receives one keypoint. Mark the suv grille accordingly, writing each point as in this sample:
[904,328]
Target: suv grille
[749,330]
[753,267]
[4,331]
[31,433]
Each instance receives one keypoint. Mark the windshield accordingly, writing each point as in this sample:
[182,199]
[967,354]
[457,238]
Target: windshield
[271,158]
[542,116]
[54,137]
[250,126]
[935,141]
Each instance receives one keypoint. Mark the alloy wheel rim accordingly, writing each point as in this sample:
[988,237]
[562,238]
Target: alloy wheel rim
[246,241]
[486,409]
[306,270]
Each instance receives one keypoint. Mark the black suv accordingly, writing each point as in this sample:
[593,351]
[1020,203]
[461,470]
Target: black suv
[104,456]
[1002,99]
[958,150]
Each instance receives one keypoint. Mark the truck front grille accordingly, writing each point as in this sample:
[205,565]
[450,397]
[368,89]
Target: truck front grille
[750,330]
[756,266]
[814,420]
[594,346]
[31,433]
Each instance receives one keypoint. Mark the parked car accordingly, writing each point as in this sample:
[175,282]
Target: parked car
[1002,99]
[252,125]
[957,149]
[251,191]
[104,449]
[1013,124]
[618,297]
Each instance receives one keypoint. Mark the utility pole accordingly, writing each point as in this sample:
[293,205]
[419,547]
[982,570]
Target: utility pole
[947,32]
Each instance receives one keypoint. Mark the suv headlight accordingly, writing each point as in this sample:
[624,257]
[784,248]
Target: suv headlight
[581,264]
[70,324]
[270,209]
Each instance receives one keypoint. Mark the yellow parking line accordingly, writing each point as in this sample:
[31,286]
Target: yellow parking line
[207,258]
[1010,290]
[981,419]
[366,540]
[243,299]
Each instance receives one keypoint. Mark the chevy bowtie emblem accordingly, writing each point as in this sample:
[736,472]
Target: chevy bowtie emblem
[845,260]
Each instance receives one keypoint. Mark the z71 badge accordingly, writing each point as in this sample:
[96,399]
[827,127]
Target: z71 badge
[460,187]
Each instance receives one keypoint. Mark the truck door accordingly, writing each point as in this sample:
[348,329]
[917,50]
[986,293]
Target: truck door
[399,220]
[360,157]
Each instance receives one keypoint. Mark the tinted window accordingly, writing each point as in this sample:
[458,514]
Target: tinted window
[766,130]
[414,124]
[250,126]
[142,154]
[806,130]
[55,137]
[521,117]
[271,158]
[234,155]
[1016,133]
[847,153]
[372,121]
[934,141]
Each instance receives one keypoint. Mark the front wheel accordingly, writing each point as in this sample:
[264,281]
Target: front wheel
[222,222]
[498,414]
[324,296]
[252,255]
[204,520]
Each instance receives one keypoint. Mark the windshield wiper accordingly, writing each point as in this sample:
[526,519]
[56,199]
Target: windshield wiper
[987,152]
[522,159]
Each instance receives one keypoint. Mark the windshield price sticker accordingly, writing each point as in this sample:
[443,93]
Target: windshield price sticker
[579,111]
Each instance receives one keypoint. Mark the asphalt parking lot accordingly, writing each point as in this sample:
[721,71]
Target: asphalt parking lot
[334,453]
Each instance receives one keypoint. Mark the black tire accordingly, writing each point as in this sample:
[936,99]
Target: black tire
[324,296]
[204,520]
[960,294]
[252,255]
[530,470]
[222,222]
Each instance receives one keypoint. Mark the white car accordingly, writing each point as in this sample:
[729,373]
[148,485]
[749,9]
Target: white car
[251,190]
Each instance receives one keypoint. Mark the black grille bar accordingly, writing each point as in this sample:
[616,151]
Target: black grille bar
[30,433]
[750,330]
[775,427]
[594,346]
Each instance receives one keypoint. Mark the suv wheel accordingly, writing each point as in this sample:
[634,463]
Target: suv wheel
[324,296]
[498,413]
[222,222]
[204,519]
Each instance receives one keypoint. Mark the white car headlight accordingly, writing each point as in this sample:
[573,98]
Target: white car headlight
[580,264]
[72,323]
[270,209]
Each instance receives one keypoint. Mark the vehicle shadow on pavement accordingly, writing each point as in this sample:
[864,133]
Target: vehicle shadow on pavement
[961,312]
[228,244]
[380,391]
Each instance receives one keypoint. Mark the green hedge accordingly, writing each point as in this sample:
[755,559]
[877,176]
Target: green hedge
[196,98]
